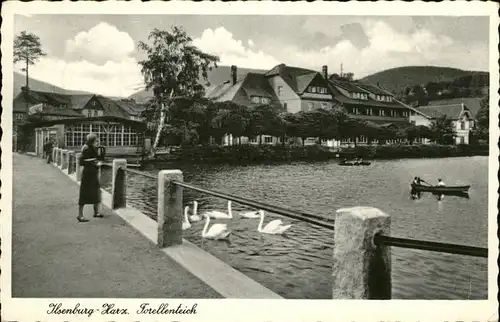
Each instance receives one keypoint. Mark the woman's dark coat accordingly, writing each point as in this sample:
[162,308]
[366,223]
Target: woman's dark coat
[90,189]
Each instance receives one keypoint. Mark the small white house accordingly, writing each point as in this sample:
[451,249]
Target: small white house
[462,118]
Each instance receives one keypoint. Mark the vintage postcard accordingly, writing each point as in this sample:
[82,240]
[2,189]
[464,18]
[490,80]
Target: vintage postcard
[249,161]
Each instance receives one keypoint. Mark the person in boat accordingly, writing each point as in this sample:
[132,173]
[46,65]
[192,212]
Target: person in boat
[356,161]
[441,183]
[413,192]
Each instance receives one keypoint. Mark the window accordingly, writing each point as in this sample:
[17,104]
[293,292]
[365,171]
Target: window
[369,111]
[268,139]
[462,125]
[285,106]
[280,90]
[355,111]
[377,97]
[93,103]
[381,112]
[313,89]
[362,139]
[310,106]
[252,140]
[324,105]
[405,113]
[260,99]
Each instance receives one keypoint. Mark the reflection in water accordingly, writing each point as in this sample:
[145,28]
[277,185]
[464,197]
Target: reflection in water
[298,264]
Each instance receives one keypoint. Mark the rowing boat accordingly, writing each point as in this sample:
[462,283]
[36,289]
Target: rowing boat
[437,189]
[354,164]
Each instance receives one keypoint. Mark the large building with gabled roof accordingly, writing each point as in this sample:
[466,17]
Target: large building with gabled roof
[67,119]
[294,89]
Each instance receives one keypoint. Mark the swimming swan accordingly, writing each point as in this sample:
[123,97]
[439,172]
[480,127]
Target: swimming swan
[219,214]
[195,216]
[274,227]
[217,231]
[185,223]
[250,214]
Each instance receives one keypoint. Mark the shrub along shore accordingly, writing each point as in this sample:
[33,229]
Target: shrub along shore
[247,154]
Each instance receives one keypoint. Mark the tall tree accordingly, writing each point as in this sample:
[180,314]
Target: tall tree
[481,130]
[442,130]
[27,50]
[172,69]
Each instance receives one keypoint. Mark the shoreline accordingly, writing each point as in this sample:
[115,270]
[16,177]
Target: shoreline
[267,154]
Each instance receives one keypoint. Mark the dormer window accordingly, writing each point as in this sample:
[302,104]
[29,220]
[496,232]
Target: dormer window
[260,100]
[317,89]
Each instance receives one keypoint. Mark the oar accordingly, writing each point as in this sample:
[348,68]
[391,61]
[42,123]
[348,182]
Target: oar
[425,182]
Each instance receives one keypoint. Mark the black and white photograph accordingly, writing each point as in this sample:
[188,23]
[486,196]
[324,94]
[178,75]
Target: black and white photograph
[156,157]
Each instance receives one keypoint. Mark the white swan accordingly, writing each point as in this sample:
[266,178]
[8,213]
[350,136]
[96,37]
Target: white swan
[250,214]
[219,214]
[217,231]
[186,224]
[195,217]
[274,227]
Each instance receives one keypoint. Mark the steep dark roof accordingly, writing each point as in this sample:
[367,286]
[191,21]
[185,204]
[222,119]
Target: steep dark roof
[348,86]
[50,110]
[451,111]
[79,101]
[36,97]
[374,89]
[337,94]
[130,106]
[253,84]
[297,78]
[111,108]
[473,104]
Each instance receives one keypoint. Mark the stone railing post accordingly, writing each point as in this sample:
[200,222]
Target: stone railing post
[64,157]
[60,159]
[78,168]
[71,162]
[56,156]
[361,270]
[54,152]
[169,208]
[119,184]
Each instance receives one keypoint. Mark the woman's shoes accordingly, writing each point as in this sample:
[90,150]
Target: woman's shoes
[81,219]
[98,216]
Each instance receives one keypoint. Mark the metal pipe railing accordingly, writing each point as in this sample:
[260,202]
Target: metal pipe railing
[431,246]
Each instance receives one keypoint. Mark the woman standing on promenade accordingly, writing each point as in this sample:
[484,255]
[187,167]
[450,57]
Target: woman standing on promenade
[90,190]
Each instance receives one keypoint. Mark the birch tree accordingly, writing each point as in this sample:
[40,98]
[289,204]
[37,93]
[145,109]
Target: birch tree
[172,70]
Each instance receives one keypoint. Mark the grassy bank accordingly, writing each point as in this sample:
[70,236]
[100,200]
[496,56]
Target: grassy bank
[280,153]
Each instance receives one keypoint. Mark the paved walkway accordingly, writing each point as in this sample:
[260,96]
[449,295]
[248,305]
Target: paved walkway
[55,256]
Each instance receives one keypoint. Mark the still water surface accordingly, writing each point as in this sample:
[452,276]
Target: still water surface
[298,265]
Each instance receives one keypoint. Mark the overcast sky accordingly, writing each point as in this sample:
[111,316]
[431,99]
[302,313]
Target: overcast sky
[98,53]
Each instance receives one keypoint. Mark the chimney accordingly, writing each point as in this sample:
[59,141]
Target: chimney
[233,74]
[325,72]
